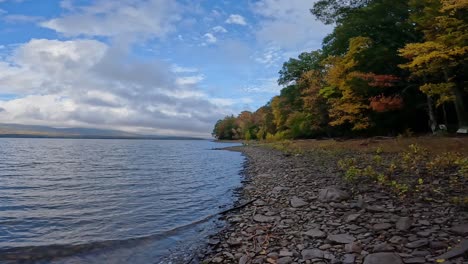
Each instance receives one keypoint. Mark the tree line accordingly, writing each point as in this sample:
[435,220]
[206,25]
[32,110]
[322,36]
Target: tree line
[389,66]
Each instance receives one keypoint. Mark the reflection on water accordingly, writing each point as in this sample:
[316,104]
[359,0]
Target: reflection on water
[120,200]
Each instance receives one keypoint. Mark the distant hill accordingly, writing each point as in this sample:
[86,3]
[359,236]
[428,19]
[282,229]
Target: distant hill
[17,130]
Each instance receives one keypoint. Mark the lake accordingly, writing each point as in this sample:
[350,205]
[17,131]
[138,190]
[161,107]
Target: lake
[111,201]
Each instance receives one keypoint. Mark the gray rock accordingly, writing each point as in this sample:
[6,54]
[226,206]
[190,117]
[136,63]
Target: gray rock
[352,217]
[404,223]
[381,226]
[332,194]
[417,243]
[297,202]
[244,259]
[376,209]
[456,251]
[461,230]
[341,238]
[383,247]
[285,253]
[264,219]
[315,233]
[312,253]
[285,260]
[415,260]
[383,258]
[354,247]
[349,259]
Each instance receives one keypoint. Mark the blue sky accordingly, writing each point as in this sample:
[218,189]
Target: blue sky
[148,66]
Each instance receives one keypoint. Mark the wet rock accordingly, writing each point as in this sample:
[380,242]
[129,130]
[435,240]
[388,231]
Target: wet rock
[417,243]
[404,223]
[311,254]
[383,258]
[298,202]
[315,233]
[332,194]
[341,238]
[213,242]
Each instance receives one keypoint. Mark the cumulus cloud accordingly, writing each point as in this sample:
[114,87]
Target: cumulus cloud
[89,83]
[210,38]
[236,19]
[289,24]
[125,18]
[219,29]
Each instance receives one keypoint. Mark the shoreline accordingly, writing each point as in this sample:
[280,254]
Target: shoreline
[305,213]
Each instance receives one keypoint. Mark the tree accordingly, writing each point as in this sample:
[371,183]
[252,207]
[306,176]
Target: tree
[293,69]
[440,62]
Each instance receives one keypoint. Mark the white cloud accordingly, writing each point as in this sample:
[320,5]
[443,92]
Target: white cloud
[219,29]
[125,18]
[190,80]
[21,19]
[89,83]
[236,19]
[179,69]
[210,38]
[289,24]
[264,85]
[271,56]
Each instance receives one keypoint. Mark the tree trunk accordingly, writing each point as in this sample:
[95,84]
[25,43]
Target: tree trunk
[430,112]
[462,116]
[457,91]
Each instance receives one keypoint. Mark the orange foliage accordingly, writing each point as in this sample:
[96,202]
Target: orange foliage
[378,80]
[384,103]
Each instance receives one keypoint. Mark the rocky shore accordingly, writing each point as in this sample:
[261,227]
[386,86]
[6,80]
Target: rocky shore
[305,213]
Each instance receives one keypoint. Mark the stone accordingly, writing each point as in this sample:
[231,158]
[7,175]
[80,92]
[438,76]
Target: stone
[264,219]
[285,253]
[213,242]
[311,254]
[354,247]
[352,217]
[415,260]
[381,226]
[341,238]
[383,247]
[417,243]
[461,230]
[397,240]
[244,259]
[298,202]
[404,223]
[315,233]
[438,245]
[332,194]
[285,260]
[456,251]
[349,259]
[383,258]
[217,260]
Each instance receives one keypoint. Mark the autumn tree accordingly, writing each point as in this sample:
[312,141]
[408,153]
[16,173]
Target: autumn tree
[440,62]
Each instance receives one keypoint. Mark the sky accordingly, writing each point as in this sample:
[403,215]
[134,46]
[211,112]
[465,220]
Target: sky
[162,67]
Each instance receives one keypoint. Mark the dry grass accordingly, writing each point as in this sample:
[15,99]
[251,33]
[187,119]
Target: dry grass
[434,145]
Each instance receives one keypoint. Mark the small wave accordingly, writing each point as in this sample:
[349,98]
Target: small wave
[36,253]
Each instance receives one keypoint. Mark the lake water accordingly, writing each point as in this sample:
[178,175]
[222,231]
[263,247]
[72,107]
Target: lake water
[110,201]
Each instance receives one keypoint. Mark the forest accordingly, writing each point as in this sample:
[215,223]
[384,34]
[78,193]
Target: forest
[389,67]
